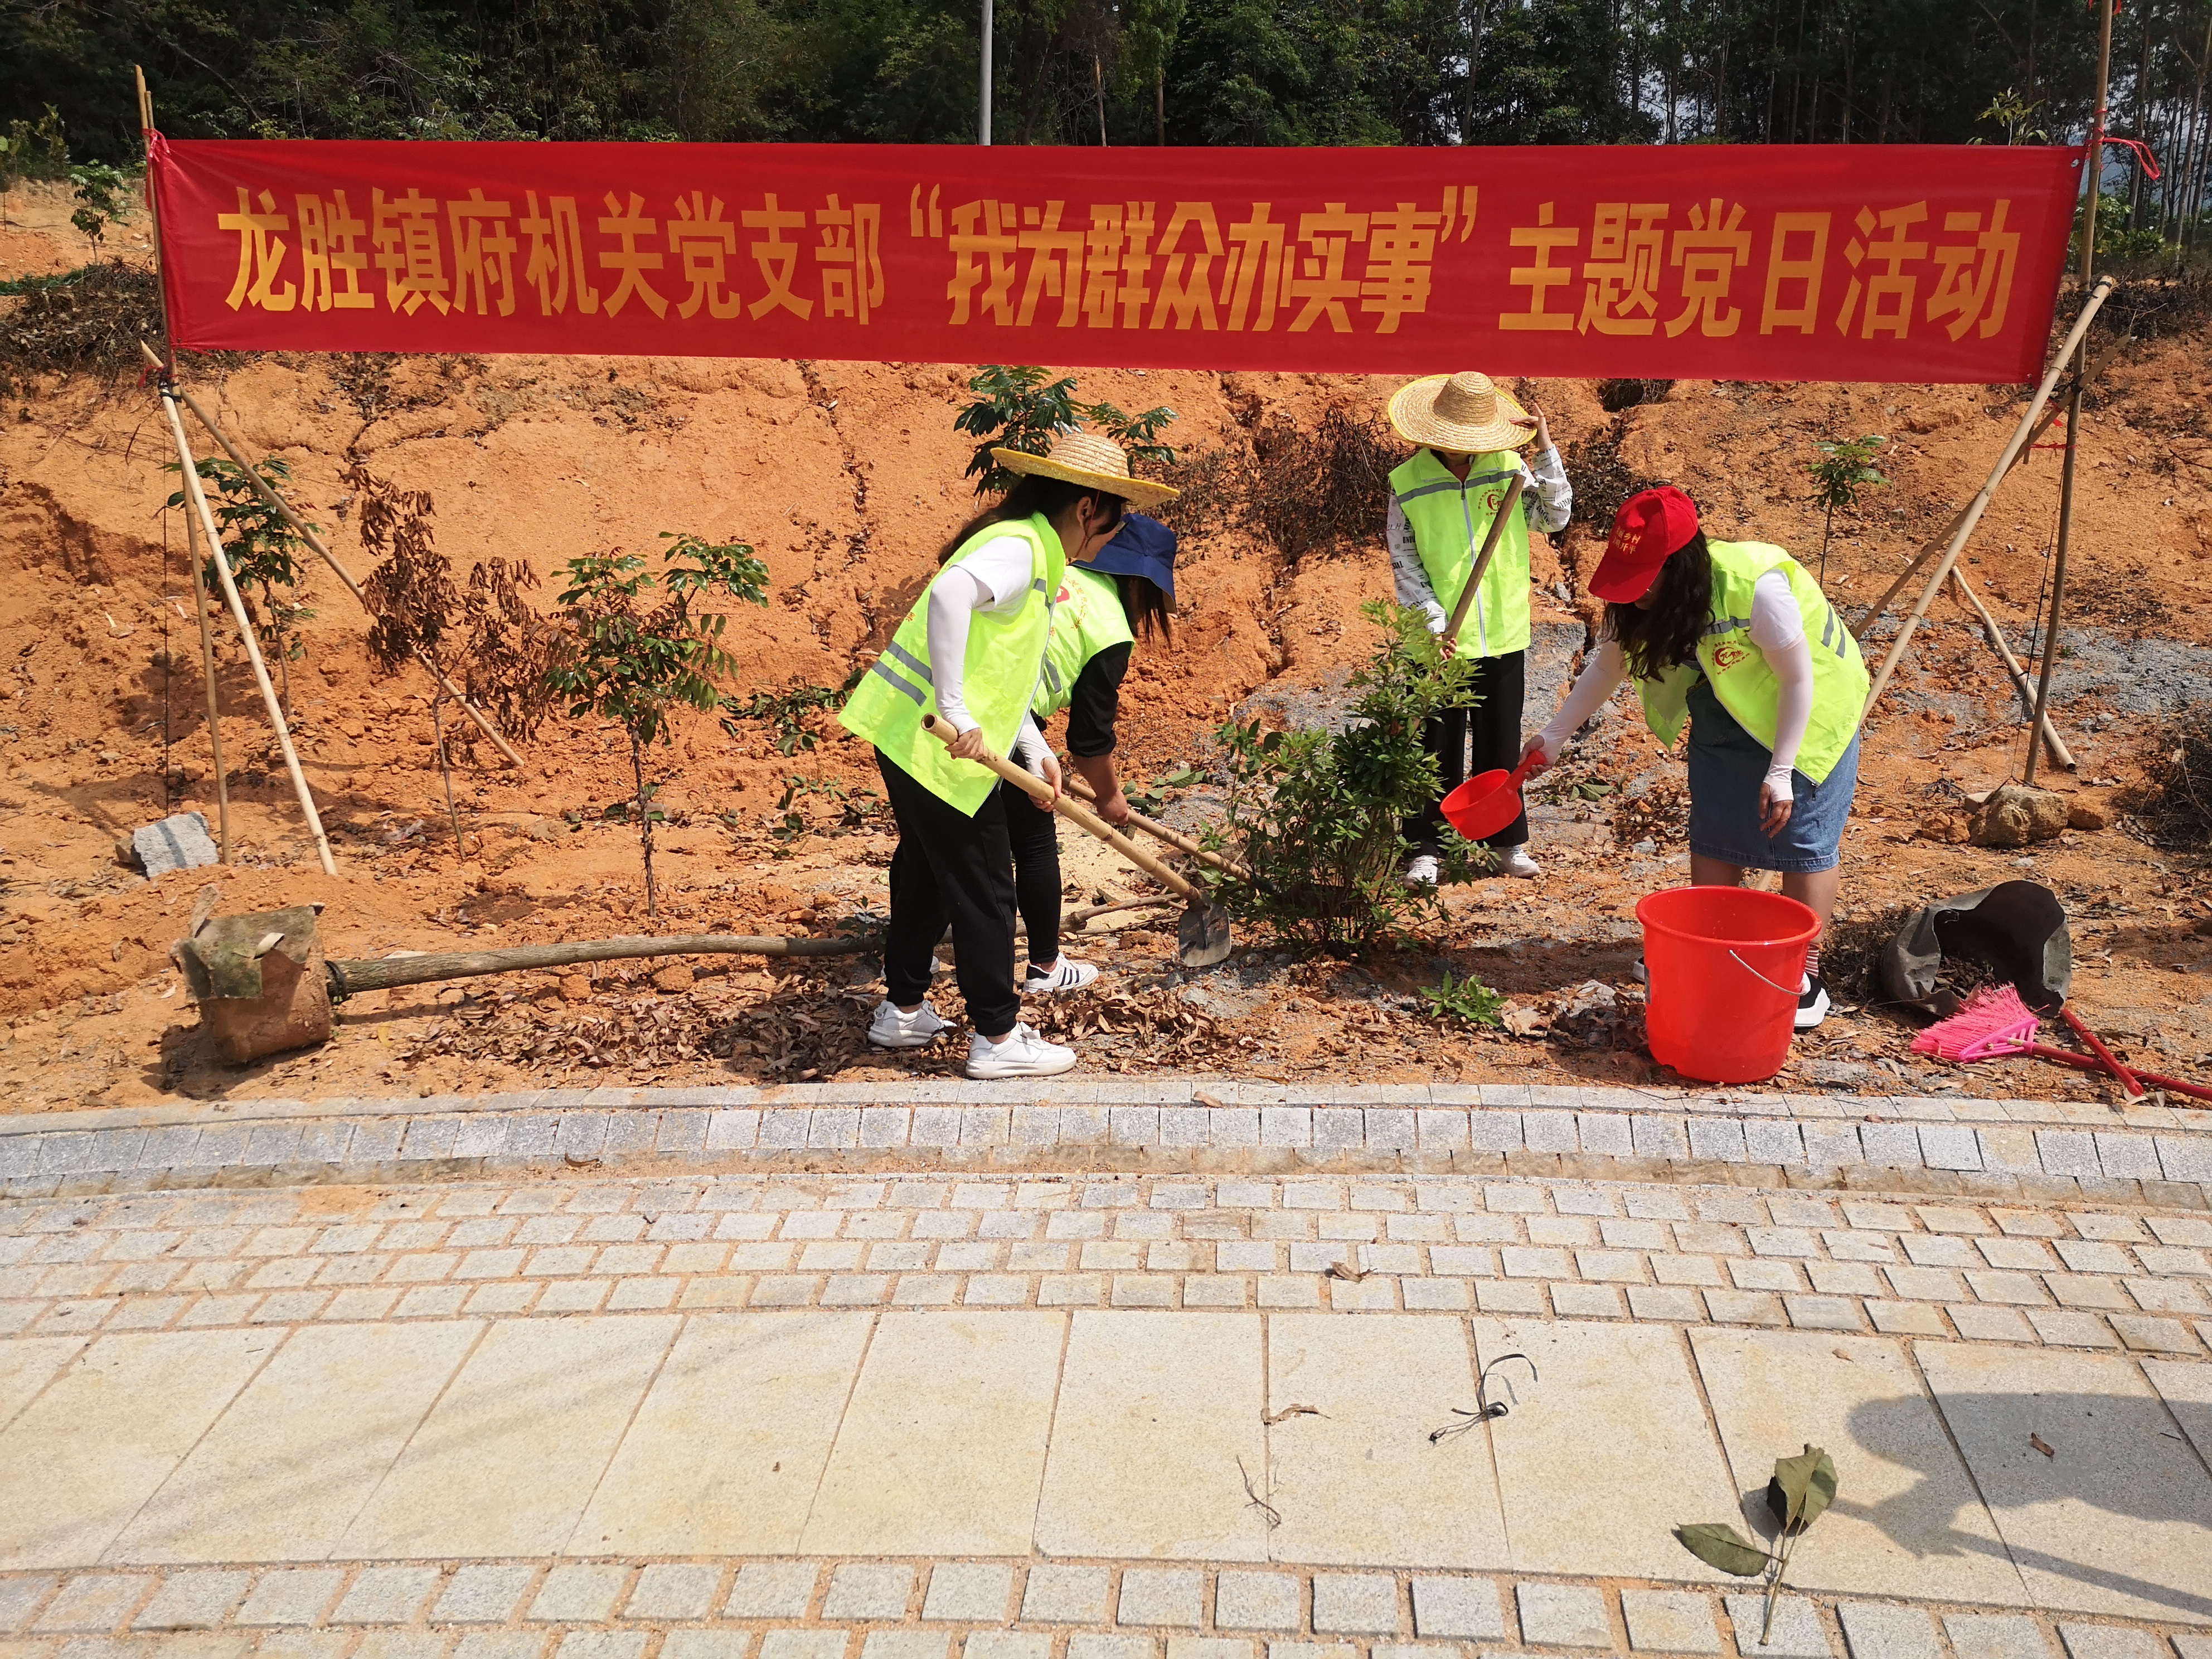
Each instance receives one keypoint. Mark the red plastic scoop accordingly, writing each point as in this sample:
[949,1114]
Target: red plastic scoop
[1487,803]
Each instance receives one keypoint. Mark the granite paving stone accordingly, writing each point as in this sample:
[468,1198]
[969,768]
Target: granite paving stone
[1058,1595]
[1563,1615]
[1670,1621]
[1798,1632]
[1874,1631]
[1173,1596]
[772,1589]
[296,1595]
[1257,1600]
[1458,1607]
[574,1594]
[1995,1635]
[191,1600]
[389,1595]
[975,1592]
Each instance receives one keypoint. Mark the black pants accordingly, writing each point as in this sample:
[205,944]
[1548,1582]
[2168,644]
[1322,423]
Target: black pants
[951,867]
[1035,838]
[1490,731]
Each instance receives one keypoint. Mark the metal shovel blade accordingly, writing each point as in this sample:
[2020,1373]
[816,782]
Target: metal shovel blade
[1202,936]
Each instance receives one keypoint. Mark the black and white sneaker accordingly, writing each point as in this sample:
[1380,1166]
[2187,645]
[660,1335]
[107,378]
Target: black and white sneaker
[1065,973]
[1639,973]
[1812,1004]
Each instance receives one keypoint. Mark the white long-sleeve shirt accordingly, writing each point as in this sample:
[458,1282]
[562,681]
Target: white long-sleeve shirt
[999,583]
[1776,629]
[1547,498]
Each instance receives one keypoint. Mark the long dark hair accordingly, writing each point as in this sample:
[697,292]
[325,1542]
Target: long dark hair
[1666,635]
[1146,607]
[1030,495]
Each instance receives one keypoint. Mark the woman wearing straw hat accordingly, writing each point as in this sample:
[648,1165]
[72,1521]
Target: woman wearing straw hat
[1738,638]
[1442,505]
[1124,591]
[971,649]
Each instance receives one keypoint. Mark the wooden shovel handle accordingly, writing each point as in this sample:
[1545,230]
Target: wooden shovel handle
[1068,807]
[1489,552]
[1081,789]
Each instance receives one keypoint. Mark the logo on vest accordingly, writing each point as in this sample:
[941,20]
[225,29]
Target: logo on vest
[1727,656]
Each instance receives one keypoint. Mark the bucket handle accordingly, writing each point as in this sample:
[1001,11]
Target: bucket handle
[1760,977]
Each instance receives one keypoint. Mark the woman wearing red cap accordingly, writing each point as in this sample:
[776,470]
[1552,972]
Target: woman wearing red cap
[1738,638]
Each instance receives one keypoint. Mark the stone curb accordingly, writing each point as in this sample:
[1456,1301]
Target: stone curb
[1487,1128]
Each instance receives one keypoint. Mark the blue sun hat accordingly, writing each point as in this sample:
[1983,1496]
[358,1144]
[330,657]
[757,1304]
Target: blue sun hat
[1142,547]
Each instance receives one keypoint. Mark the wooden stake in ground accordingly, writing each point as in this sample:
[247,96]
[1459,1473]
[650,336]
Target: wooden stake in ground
[2094,163]
[198,499]
[299,528]
[1972,516]
[2060,754]
[207,674]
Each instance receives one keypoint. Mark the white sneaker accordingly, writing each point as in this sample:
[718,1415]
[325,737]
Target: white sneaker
[937,967]
[1024,1053]
[1516,861]
[1065,974]
[890,1029]
[1640,972]
[1421,871]
[1812,1005]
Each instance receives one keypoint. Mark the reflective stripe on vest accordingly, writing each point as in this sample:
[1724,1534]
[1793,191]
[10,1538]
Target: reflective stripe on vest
[1005,654]
[1450,520]
[1740,678]
[1087,618]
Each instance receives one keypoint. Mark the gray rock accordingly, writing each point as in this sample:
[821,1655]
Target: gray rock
[179,842]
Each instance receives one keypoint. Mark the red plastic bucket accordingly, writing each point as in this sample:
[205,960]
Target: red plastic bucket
[1725,963]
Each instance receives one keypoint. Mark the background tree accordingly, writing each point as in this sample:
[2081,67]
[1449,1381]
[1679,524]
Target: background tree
[633,662]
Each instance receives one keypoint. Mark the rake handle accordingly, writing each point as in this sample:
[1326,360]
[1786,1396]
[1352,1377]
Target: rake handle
[2088,1063]
[1081,815]
[2105,1058]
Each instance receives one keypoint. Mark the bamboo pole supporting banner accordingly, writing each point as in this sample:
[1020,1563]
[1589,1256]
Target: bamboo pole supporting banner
[2060,754]
[1482,564]
[1975,508]
[306,533]
[199,500]
[207,674]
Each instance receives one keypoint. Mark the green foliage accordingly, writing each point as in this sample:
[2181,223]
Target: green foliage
[1467,1000]
[637,649]
[261,550]
[1845,467]
[98,189]
[1314,814]
[1016,408]
[31,151]
[1797,1495]
[2013,112]
[854,807]
[1149,797]
[785,710]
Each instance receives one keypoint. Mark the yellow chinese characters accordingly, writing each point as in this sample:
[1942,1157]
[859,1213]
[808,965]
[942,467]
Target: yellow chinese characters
[484,253]
[1183,265]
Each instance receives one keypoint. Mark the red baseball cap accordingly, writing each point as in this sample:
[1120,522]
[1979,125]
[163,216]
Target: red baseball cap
[1650,525]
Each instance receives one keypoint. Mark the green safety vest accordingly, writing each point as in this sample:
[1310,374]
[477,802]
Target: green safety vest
[1450,521]
[1741,680]
[1087,618]
[1004,653]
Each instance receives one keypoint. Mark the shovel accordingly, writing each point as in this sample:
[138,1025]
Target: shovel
[1174,838]
[1201,937]
[1489,801]
[1482,562]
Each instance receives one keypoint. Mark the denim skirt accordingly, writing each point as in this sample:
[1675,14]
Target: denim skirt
[1727,767]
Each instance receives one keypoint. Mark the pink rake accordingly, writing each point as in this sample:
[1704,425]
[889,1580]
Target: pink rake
[1996,1022]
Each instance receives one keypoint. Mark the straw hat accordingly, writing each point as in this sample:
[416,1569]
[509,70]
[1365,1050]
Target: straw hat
[1083,458]
[1464,413]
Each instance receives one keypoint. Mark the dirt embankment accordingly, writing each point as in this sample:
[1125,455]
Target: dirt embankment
[846,478]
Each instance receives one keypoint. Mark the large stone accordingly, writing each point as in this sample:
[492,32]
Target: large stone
[179,842]
[2014,815]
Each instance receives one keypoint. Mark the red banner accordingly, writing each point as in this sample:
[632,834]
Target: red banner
[1830,263]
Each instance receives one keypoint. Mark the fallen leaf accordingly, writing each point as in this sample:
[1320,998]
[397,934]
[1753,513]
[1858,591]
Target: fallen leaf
[1350,1275]
[1289,1411]
[1200,1097]
[2036,1441]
